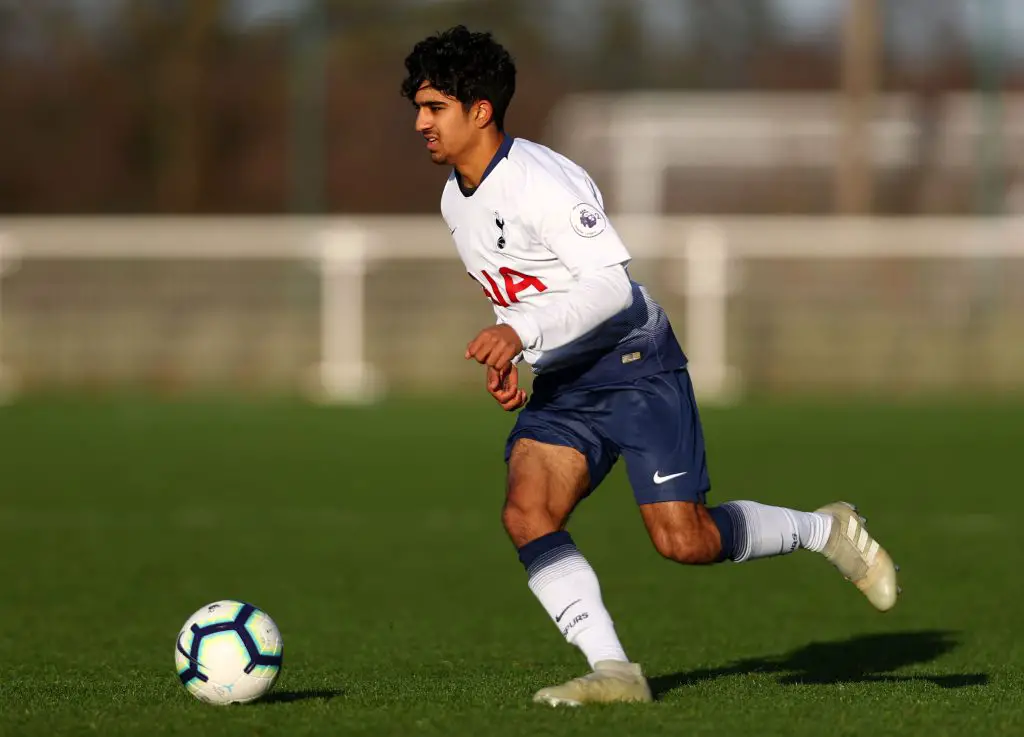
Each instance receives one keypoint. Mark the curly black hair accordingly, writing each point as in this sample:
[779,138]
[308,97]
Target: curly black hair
[467,66]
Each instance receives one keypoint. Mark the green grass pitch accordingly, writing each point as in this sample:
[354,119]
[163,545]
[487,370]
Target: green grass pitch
[372,536]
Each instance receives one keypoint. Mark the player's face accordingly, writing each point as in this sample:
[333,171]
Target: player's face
[444,124]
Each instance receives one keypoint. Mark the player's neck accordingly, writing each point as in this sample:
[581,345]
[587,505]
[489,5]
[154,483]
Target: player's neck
[474,163]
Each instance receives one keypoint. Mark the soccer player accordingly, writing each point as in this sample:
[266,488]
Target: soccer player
[610,379]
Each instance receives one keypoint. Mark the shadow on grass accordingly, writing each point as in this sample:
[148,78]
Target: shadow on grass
[862,659]
[313,694]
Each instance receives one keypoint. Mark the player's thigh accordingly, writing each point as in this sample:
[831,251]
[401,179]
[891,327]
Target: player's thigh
[545,479]
[656,425]
[555,459]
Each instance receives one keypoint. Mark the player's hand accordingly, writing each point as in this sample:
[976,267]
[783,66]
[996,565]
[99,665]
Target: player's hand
[495,346]
[504,387]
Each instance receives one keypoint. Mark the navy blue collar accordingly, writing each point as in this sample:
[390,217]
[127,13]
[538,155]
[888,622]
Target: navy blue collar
[501,153]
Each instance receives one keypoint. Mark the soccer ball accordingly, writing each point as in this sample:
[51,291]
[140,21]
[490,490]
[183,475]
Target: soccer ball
[228,652]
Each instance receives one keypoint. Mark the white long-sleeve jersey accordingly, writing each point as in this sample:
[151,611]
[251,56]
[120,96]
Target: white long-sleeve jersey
[535,236]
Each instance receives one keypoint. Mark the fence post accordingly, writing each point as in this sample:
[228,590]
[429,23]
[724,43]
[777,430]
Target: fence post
[8,261]
[707,303]
[343,374]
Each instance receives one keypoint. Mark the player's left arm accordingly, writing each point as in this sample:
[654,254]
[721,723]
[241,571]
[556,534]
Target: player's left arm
[600,293]
[577,231]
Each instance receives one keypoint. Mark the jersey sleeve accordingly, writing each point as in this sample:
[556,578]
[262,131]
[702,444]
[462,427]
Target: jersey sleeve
[597,296]
[572,224]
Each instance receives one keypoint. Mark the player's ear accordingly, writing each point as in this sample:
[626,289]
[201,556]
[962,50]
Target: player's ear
[483,114]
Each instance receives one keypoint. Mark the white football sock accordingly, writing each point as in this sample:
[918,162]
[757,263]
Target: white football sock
[762,531]
[568,589]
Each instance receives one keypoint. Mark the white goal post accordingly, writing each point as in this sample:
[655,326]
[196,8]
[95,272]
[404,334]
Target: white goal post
[702,263]
[7,257]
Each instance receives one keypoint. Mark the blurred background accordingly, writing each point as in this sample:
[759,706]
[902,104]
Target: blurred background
[228,195]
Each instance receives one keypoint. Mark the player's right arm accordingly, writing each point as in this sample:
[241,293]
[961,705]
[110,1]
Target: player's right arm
[504,387]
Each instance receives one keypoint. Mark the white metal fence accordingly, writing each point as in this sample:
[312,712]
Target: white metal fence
[349,309]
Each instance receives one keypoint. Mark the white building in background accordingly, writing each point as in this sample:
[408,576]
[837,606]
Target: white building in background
[633,142]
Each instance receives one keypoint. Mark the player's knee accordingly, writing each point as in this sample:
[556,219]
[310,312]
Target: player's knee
[696,545]
[526,517]
[513,515]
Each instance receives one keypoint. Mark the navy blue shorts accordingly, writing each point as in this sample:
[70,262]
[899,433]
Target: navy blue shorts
[652,422]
